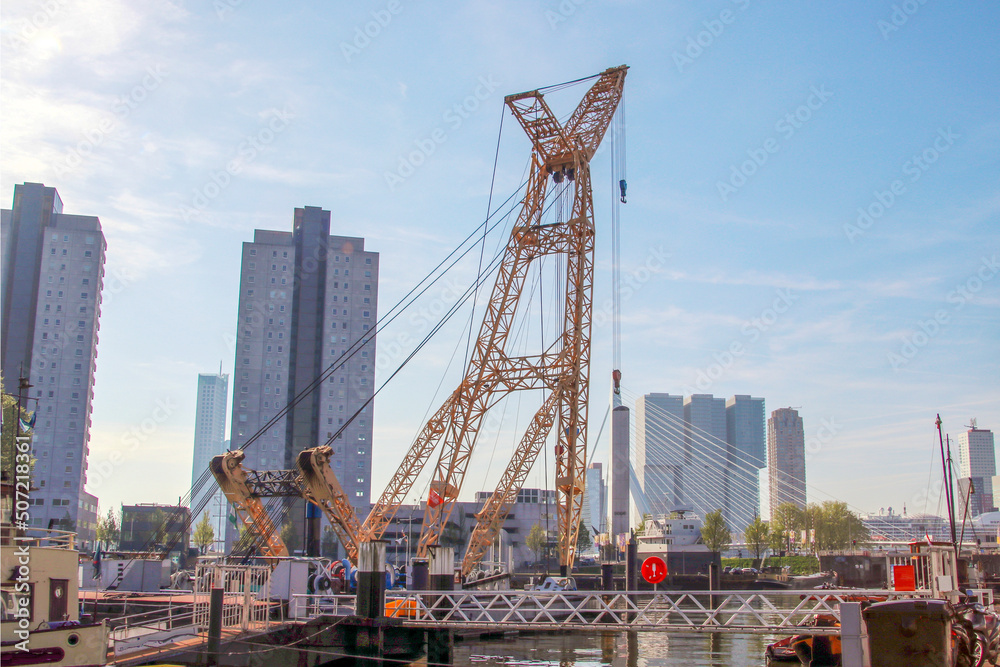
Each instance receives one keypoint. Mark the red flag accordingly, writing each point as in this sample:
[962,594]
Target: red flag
[434,499]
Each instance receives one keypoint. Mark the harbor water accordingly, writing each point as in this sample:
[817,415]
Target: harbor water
[620,649]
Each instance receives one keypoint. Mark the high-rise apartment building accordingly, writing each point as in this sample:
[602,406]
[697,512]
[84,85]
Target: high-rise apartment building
[209,441]
[746,456]
[705,439]
[786,459]
[977,466]
[53,271]
[702,452]
[661,453]
[976,453]
[306,298]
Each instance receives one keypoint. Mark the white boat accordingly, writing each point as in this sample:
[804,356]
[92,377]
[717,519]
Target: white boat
[679,531]
[39,591]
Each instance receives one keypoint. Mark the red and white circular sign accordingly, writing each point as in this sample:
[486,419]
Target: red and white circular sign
[654,570]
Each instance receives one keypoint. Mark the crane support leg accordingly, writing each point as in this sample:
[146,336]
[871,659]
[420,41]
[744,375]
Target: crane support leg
[495,510]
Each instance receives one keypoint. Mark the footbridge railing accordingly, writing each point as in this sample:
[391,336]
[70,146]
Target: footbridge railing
[747,612]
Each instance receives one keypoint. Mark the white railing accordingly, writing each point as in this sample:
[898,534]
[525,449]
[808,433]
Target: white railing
[922,571]
[39,537]
[750,612]
[158,628]
[310,606]
[246,597]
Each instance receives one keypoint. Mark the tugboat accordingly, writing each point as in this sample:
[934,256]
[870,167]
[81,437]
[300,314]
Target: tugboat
[39,591]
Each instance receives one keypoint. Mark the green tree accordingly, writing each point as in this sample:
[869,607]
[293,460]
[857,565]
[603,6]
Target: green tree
[714,532]
[109,530]
[583,541]
[204,534]
[836,527]
[756,536]
[8,440]
[641,528]
[290,537]
[784,518]
[536,540]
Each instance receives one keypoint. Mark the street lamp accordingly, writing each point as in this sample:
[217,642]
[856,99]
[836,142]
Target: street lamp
[409,531]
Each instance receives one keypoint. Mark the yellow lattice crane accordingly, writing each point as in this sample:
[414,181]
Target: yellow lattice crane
[234,481]
[322,488]
[561,153]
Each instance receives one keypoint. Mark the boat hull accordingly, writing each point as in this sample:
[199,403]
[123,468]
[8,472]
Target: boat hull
[70,646]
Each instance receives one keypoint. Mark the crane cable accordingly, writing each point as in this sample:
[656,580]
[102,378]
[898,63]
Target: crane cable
[618,186]
[482,244]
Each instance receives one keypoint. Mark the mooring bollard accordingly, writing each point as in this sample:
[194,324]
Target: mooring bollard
[714,584]
[439,643]
[216,599]
[442,568]
[442,578]
[631,572]
[371,579]
[420,574]
[607,576]
[608,586]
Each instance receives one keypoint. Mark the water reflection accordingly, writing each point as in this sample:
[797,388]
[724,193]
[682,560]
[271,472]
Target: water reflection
[623,649]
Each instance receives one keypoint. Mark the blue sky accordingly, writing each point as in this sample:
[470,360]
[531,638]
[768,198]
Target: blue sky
[757,133]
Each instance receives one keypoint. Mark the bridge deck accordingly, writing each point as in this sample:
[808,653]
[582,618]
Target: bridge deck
[747,612]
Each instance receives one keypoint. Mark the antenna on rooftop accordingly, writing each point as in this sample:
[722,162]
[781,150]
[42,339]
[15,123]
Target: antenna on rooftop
[972,424]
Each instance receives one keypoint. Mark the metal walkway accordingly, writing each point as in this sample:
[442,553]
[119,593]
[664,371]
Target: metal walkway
[745,612]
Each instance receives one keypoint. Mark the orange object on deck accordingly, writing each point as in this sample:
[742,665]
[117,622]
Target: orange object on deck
[904,577]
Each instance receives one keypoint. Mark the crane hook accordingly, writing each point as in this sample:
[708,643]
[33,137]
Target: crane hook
[623,185]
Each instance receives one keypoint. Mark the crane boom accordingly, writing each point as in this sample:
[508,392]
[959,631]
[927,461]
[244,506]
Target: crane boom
[233,480]
[402,481]
[563,151]
[323,489]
